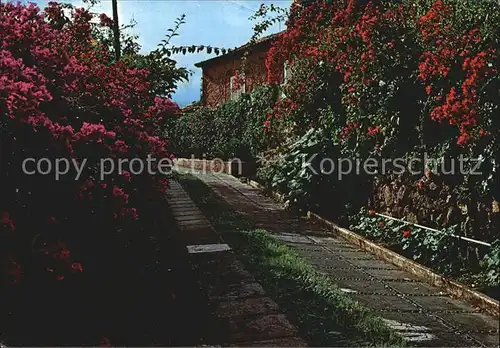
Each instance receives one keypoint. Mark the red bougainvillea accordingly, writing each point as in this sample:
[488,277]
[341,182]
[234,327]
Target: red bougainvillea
[449,50]
[376,55]
[386,79]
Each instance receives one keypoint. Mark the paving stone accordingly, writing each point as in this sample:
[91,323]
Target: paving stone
[416,288]
[418,336]
[385,303]
[280,342]
[183,207]
[372,264]
[364,286]
[190,213]
[246,307]
[291,238]
[331,241]
[419,319]
[441,303]
[472,321]
[490,340]
[336,273]
[342,247]
[175,193]
[355,255]
[188,219]
[179,212]
[444,336]
[310,249]
[242,290]
[390,274]
[330,263]
[208,248]
[178,204]
[184,200]
[265,327]
[412,333]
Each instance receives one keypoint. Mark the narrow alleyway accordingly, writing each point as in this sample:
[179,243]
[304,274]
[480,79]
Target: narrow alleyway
[423,314]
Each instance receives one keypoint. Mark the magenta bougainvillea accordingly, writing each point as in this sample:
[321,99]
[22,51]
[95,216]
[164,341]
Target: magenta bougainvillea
[63,96]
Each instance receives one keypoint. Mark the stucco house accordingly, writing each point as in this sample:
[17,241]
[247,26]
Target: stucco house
[218,72]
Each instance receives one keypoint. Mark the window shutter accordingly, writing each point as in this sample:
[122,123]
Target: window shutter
[231,83]
[286,77]
[285,72]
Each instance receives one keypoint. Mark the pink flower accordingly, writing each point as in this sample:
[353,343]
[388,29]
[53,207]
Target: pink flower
[120,195]
[6,220]
[126,174]
[77,266]
[373,131]
[105,20]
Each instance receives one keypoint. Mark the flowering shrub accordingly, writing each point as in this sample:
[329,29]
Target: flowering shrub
[233,129]
[362,60]
[63,96]
[390,80]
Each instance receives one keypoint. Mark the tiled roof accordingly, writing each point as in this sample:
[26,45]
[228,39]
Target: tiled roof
[241,48]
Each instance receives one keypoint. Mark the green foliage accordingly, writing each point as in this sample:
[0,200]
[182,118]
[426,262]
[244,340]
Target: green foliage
[440,250]
[436,249]
[294,172]
[310,176]
[164,74]
[234,129]
[269,15]
[492,264]
[364,78]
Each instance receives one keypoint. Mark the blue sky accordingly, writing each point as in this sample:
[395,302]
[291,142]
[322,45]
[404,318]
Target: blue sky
[222,23]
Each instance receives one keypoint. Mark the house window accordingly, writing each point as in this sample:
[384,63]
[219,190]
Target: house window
[237,86]
[287,72]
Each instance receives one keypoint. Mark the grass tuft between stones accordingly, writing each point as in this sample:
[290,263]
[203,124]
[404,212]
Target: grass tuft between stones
[323,314]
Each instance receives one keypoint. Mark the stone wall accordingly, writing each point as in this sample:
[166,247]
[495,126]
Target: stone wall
[431,202]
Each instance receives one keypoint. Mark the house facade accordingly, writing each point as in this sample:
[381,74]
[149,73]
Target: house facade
[218,77]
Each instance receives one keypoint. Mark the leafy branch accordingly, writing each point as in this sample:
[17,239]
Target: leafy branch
[168,51]
[173,31]
[269,15]
[194,49]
